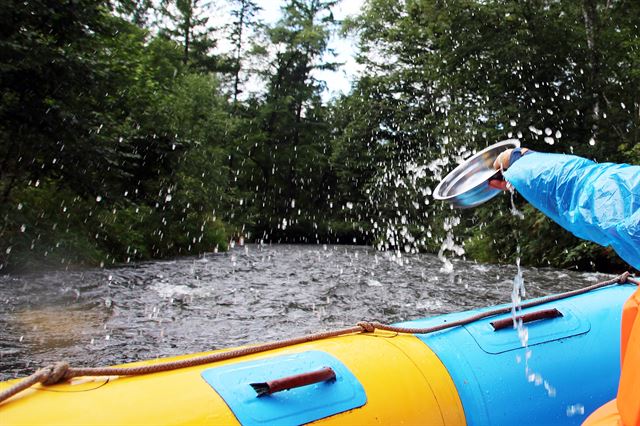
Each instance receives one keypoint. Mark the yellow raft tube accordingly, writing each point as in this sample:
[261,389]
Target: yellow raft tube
[404,383]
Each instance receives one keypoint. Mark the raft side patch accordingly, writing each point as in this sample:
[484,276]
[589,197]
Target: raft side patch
[291,407]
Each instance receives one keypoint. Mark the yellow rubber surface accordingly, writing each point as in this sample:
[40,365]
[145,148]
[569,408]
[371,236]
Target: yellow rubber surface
[404,381]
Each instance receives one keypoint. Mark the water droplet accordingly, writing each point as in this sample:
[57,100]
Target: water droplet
[592,141]
[98,198]
[23,228]
[8,250]
[551,391]
[533,129]
[574,409]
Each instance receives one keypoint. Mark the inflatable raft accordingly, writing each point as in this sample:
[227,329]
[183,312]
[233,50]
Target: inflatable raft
[475,374]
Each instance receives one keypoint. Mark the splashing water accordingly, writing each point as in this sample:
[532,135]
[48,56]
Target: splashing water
[449,244]
[402,189]
[575,409]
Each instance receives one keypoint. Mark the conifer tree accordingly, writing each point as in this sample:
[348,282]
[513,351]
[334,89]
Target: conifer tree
[292,158]
[244,16]
[189,26]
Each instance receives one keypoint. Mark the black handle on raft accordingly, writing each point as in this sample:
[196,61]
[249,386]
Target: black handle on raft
[295,381]
[528,317]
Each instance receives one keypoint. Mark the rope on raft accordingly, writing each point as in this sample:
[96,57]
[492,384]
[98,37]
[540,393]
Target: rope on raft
[62,371]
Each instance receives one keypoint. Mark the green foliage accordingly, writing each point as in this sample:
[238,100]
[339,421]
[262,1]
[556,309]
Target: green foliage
[53,228]
[244,25]
[118,142]
[444,81]
[285,139]
[45,226]
[189,26]
[503,239]
[99,124]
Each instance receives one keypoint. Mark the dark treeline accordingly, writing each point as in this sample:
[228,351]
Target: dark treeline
[127,132]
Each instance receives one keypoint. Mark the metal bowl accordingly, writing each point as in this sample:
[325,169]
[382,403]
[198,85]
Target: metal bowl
[468,184]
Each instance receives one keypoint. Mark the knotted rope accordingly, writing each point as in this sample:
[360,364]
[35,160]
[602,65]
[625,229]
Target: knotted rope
[61,371]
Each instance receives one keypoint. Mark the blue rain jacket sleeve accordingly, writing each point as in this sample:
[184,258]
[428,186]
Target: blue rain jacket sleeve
[596,202]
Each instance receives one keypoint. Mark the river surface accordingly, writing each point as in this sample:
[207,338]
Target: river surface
[250,294]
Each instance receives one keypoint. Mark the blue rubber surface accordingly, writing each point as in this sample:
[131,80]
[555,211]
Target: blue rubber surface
[574,361]
[292,407]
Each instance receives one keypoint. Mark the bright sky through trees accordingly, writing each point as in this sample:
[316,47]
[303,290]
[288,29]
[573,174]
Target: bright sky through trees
[337,81]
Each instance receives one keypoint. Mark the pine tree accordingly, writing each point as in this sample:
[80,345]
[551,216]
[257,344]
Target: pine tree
[189,27]
[291,158]
[136,11]
[244,20]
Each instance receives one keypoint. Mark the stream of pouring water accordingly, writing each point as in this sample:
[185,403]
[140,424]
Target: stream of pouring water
[518,293]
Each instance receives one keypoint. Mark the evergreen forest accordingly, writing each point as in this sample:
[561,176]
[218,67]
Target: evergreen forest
[143,129]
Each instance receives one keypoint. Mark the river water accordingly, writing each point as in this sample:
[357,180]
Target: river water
[250,294]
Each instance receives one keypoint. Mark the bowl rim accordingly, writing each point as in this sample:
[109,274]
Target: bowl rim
[436,193]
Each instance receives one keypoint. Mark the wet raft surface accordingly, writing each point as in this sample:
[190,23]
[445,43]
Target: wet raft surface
[250,294]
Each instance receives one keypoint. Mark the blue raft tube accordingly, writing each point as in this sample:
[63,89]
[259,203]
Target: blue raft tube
[566,367]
